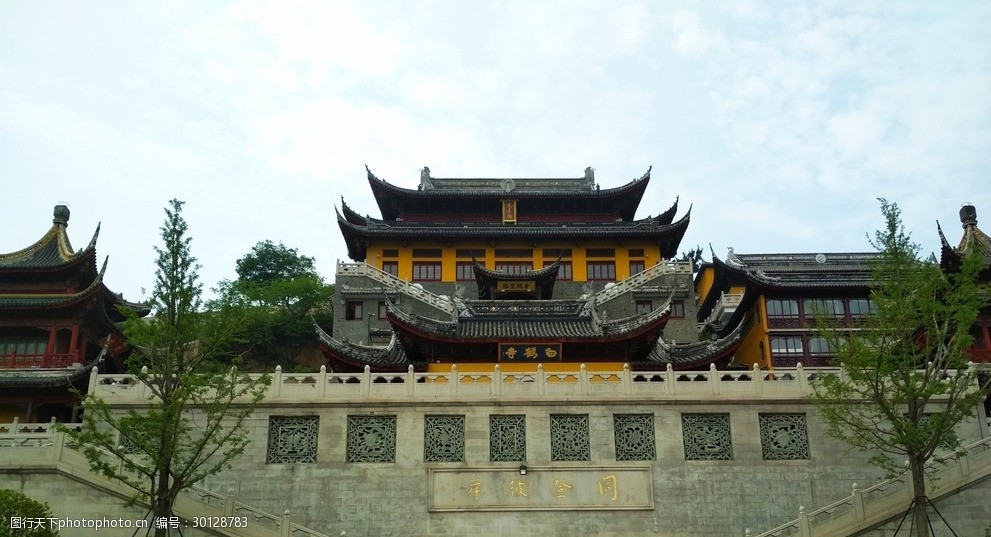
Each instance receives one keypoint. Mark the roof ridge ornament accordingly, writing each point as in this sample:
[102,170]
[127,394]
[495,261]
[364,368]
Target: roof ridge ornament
[425,179]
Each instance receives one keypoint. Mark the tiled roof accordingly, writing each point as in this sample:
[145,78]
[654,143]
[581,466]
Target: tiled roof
[696,354]
[973,240]
[42,378]
[802,270]
[526,320]
[53,249]
[390,357]
[357,236]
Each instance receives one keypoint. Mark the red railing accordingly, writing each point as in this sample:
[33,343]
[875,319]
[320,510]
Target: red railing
[38,361]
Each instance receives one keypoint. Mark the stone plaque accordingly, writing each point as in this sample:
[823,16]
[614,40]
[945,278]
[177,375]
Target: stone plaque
[541,488]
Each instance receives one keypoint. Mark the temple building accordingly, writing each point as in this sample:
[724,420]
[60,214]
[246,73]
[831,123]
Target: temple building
[774,298]
[57,320]
[516,272]
[977,242]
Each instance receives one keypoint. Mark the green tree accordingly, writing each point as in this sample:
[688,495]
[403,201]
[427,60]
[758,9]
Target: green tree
[286,293]
[905,380]
[193,423]
[15,504]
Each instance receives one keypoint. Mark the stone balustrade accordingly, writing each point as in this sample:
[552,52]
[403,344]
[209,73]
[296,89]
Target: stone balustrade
[868,507]
[639,279]
[791,383]
[417,291]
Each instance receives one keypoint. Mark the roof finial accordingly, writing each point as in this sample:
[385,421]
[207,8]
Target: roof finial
[968,215]
[425,183]
[61,215]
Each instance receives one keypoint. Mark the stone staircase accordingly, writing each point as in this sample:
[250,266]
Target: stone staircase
[39,448]
[867,508]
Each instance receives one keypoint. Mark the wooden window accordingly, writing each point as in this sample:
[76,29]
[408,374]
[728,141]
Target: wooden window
[392,267]
[600,252]
[464,271]
[564,273]
[514,252]
[678,309]
[426,252]
[644,307]
[383,310]
[426,271]
[787,351]
[830,307]
[782,308]
[514,267]
[468,253]
[860,307]
[390,253]
[353,310]
[601,270]
[636,252]
[636,267]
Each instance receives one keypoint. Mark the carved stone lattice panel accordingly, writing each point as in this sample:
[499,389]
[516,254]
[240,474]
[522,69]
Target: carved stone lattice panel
[371,439]
[292,439]
[784,437]
[507,438]
[444,439]
[569,437]
[127,445]
[634,437]
[707,437]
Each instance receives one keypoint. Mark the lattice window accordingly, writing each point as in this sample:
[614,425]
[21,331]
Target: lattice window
[444,439]
[371,439]
[507,438]
[707,437]
[784,437]
[634,437]
[292,439]
[569,437]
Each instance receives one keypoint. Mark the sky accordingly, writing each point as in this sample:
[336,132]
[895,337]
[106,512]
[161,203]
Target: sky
[779,123]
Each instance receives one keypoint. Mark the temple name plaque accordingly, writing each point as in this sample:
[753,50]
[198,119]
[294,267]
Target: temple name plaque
[541,488]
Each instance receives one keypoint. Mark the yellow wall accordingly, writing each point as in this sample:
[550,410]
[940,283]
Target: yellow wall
[652,256]
[748,353]
[549,367]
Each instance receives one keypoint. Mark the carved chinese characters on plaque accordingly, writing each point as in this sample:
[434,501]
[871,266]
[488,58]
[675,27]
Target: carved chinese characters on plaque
[578,488]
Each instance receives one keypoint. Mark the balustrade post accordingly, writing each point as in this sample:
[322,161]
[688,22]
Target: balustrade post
[804,528]
[455,381]
[627,379]
[859,509]
[963,463]
[142,392]
[58,446]
[366,381]
[803,381]
[229,503]
[713,379]
[93,374]
[15,427]
[758,379]
[583,379]
[322,382]
[669,380]
[410,381]
[541,380]
[497,380]
[284,528]
[277,382]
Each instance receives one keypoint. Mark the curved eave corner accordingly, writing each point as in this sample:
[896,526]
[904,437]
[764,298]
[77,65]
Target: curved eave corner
[353,237]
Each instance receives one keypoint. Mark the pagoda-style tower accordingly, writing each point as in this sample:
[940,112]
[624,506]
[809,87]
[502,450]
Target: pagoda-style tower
[518,272]
[57,320]
[979,243]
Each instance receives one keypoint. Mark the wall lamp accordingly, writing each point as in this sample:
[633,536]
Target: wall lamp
[522,469]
